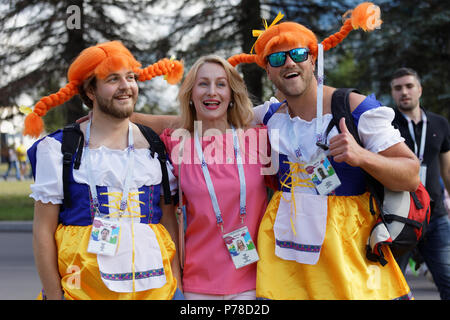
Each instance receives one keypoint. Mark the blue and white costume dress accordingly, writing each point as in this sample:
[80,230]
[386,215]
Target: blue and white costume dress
[141,267]
[313,246]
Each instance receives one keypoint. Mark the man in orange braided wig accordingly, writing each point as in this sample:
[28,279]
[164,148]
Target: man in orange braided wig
[116,186]
[312,239]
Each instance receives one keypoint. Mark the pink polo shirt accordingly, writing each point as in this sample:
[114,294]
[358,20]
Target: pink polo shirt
[209,268]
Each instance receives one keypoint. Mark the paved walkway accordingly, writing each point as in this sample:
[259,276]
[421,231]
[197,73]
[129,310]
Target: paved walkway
[20,281]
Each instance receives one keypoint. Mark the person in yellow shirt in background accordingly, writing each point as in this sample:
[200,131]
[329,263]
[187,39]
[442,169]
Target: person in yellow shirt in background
[21,152]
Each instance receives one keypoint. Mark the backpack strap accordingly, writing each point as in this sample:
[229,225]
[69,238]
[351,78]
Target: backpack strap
[340,107]
[156,145]
[72,142]
[416,200]
[393,217]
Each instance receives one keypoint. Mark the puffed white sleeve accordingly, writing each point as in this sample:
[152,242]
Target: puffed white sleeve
[261,110]
[48,185]
[376,131]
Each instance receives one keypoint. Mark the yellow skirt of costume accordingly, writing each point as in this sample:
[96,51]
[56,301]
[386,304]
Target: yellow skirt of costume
[80,274]
[342,271]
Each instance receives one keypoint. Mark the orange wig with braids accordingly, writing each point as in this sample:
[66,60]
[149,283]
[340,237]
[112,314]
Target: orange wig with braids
[365,16]
[99,61]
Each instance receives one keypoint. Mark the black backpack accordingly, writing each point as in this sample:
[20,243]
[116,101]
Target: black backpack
[400,225]
[73,143]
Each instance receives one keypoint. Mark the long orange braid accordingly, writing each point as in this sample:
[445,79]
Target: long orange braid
[33,121]
[333,40]
[242,58]
[365,16]
[173,70]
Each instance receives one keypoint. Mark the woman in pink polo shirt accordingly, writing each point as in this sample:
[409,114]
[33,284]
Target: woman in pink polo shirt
[222,179]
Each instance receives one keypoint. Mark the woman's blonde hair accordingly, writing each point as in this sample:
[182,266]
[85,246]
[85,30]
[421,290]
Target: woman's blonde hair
[240,115]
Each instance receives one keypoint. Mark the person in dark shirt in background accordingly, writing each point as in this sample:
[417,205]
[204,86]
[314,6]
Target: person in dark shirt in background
[428,135]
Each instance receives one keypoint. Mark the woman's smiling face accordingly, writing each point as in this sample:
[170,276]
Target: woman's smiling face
[211,93]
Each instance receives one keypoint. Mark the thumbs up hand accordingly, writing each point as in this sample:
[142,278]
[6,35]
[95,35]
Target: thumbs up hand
[344,148]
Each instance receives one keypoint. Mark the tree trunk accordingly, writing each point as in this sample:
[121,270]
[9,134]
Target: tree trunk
[253,74]
[75,44]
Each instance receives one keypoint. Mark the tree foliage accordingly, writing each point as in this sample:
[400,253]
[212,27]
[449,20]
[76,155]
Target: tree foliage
[39,40]
[414,34]
[225,28]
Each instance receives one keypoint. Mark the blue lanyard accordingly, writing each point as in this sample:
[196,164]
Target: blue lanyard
[319,107]
[128,174]
[210,186]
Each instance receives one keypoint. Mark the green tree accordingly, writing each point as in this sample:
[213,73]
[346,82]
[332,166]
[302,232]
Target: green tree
[206,27]
[414,34]
[39,40]
[225,28]
[346,72]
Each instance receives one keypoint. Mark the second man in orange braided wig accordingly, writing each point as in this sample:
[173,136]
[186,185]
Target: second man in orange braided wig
[312,237]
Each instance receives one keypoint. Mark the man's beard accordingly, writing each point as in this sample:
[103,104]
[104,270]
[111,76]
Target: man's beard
[121,112]
[293,91]
[408,106]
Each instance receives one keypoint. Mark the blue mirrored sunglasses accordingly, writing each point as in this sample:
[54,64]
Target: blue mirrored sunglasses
[277,59]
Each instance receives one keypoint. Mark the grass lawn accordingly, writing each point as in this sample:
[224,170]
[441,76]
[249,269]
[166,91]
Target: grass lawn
[15,203]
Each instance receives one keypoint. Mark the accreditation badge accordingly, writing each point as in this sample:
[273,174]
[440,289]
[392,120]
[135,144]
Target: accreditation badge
[241,247]
[322,174]
[104,236]
[423,174]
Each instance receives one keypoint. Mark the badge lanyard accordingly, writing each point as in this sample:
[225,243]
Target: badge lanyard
[319,103]
[209,184]
[413,136]
[128,174]
[319,159]
[319,116]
